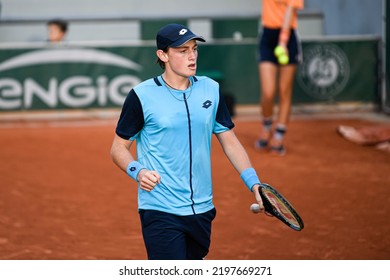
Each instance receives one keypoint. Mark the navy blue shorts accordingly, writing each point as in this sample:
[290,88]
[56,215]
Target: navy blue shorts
[269,40]
[172,237]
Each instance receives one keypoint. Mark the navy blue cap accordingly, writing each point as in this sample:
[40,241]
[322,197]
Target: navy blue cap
[174,35]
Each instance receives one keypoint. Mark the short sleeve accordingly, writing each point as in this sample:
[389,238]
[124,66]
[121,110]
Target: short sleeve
[223,118]
[131,119]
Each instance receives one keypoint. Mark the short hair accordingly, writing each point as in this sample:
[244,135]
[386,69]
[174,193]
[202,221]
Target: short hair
[62,24]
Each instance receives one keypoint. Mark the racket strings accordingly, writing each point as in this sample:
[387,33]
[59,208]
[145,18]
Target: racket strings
[281,209]
[277,206]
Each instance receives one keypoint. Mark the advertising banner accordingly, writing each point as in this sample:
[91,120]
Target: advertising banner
[69,77]
[337,71]
[78,77]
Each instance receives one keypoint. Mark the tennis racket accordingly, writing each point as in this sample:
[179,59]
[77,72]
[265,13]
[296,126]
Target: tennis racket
[276,205]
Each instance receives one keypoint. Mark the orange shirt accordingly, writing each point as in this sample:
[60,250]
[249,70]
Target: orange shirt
[273,12]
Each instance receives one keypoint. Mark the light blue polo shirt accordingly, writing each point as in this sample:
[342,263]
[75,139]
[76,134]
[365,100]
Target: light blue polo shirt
[173,131]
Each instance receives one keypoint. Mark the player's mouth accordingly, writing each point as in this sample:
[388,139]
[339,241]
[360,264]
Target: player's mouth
[192,66]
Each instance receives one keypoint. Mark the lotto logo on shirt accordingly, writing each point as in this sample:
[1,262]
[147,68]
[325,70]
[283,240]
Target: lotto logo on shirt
[207,104]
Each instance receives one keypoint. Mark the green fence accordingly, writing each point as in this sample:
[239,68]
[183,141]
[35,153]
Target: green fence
[67,77]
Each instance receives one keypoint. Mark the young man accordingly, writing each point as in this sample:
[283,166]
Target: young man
[56,30]
[172,118]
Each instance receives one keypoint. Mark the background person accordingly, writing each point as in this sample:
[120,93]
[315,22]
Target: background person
[57,30]
[279,19]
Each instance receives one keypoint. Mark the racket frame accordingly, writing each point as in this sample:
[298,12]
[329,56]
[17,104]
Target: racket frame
[271,209]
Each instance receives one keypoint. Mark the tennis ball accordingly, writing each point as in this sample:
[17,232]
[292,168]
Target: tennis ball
[279,50]
[280,53]
[283,59]
[255,208]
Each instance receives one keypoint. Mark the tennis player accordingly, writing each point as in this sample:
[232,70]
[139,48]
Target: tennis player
[279,20]
[172,118]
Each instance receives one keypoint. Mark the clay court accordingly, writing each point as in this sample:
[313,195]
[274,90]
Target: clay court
[61,197]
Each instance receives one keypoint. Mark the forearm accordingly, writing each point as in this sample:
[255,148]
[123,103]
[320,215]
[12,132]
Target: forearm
[285,30]
[238,157]
[120,153]
[241,162]
[234,151]
[123,158]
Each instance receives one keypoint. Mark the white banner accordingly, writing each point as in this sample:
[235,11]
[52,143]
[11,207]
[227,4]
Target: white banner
[209,269]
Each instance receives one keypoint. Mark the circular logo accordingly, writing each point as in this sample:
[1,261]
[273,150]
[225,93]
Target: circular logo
[324,71]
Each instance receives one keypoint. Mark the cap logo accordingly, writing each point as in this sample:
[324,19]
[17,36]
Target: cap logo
[183,31]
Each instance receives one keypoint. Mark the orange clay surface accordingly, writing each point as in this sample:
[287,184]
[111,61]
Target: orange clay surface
[61,197]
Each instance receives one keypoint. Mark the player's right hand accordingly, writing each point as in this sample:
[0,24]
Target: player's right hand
[148,179]
[256,193]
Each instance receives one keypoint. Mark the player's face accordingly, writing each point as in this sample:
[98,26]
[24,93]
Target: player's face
[182,60]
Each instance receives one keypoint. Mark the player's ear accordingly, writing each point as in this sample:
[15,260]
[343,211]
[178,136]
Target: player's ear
[162,55]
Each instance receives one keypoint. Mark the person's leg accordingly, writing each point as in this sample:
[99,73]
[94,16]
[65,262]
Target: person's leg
[285,89]
[286,80]
[163,235]
[198,229]
[268,72]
